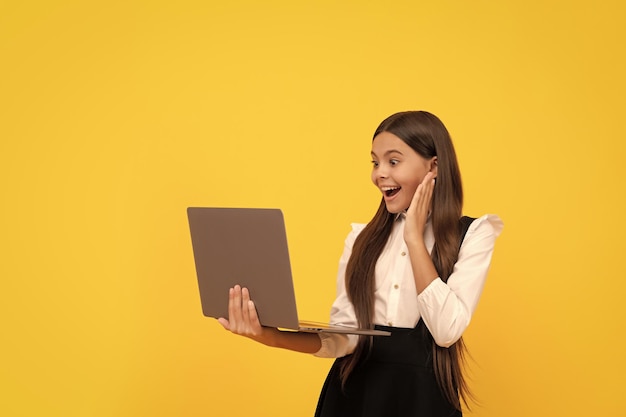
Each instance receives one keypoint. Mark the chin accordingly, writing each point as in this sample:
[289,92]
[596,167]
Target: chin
[394,209]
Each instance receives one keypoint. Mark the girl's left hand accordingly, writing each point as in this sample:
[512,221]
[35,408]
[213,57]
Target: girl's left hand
[417,214]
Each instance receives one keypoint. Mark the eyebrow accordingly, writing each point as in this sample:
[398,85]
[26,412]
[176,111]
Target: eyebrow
[390,151]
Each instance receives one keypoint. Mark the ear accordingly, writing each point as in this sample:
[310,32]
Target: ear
[433,165]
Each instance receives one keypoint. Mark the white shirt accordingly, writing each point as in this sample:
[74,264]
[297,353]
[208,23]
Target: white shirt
[446,308]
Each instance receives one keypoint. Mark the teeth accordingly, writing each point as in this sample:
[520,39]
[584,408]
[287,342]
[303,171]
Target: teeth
[389,188]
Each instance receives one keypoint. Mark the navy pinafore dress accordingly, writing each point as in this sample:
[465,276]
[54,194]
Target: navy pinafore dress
[396,379]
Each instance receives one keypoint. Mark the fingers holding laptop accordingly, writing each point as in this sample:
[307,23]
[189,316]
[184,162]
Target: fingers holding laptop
[242,316]
[243,320]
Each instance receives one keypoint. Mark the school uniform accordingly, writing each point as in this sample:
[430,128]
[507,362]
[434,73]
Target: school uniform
[397,378]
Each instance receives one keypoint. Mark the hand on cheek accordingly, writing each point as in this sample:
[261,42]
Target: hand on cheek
[418,211]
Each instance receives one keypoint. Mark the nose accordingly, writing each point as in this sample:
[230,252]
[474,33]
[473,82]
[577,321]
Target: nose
[381,171]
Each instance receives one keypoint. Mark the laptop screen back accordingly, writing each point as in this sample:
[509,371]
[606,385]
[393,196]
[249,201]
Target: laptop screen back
[247,247]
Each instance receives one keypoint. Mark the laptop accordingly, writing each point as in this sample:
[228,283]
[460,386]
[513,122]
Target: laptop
[248,246]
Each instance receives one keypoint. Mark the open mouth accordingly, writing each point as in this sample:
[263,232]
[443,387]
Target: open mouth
[390,191]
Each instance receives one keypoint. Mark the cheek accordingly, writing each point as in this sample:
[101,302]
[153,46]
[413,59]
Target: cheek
[410,191]
[411,184]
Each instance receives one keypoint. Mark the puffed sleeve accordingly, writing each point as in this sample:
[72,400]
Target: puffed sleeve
[335,345]
[447,308]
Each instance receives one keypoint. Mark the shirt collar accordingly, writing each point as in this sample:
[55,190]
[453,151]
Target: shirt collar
[400,216]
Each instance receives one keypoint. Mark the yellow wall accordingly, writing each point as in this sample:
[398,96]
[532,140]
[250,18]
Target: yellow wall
[115,116]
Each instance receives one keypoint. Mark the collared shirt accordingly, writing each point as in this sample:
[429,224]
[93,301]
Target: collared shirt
[446,308]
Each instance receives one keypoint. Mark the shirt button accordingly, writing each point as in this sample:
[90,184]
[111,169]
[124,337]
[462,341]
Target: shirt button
[403,253]
[396,286]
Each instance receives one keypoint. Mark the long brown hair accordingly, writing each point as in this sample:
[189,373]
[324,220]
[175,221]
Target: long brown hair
[427,135]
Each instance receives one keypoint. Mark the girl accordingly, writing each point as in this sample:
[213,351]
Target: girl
[417,269]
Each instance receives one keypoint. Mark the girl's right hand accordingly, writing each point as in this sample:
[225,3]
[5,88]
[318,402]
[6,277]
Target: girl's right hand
[242,317]
[243,320]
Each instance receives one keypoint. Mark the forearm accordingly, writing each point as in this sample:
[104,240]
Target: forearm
[295,341]
[444,313]
[424,271]
[447,308]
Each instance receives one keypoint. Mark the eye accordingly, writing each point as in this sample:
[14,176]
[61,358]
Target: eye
[375,164]
[393,162]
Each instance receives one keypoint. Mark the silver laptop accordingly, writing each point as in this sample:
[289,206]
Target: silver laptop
[248,247]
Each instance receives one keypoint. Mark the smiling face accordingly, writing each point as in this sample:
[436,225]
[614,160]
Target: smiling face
[398,170]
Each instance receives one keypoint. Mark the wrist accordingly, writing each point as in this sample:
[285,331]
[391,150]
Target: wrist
[271,337]
[416,245]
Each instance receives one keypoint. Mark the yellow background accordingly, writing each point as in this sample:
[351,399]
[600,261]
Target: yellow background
[115,116]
